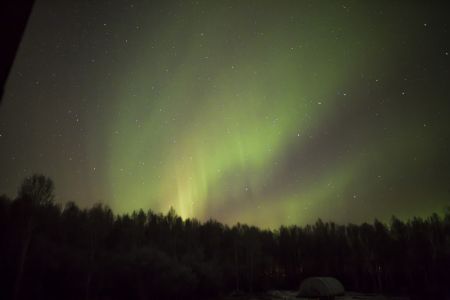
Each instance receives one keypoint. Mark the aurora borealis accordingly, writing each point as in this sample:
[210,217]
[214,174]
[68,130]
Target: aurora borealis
[260,112]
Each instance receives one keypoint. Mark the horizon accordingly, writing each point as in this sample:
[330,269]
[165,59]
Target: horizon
[387,222]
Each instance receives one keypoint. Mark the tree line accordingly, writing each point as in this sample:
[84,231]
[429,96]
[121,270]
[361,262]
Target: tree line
[53,252]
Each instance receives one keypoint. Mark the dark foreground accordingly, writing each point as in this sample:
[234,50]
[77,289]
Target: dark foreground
[292,295]
[53,252]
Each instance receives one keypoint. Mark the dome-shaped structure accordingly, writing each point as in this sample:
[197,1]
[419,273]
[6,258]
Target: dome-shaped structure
[323,287]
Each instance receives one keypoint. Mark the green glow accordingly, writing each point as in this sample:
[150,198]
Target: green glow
[185,130]
[264,112]
[203,125]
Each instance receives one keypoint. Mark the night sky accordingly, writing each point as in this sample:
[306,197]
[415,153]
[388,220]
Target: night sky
[262,112]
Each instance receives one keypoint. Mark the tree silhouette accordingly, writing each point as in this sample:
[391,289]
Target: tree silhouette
[35,192]
[91,253]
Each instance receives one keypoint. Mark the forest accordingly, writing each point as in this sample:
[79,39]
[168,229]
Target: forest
[51,251]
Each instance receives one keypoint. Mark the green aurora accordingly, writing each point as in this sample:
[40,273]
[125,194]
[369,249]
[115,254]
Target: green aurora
[262,112]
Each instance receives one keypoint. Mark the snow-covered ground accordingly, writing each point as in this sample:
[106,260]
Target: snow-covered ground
[292,295]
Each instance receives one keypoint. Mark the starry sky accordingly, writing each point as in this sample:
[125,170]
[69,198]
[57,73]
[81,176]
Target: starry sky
[260,112]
